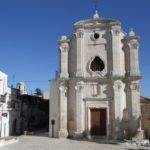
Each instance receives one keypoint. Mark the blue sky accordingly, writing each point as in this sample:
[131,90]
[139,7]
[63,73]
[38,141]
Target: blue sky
[30,29]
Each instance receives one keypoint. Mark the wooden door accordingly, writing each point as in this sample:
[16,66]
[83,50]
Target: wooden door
[98,122]
[14,127]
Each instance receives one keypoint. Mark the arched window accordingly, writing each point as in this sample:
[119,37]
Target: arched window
[97,64]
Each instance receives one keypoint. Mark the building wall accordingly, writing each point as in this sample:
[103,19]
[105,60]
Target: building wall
[20,111]
[3,83]
[54,109]
[114,87]
[4,113]
[145,109]
[33,113]
[4,121]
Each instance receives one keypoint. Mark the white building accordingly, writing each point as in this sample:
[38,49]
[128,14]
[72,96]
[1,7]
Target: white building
[3,83]
[10,107]
[46,95]
[4,115]
[97,92]
[18,110]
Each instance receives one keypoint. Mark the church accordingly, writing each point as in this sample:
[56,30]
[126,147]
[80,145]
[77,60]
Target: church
[97,90]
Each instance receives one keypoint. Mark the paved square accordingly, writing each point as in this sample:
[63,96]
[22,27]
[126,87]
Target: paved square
[45,143]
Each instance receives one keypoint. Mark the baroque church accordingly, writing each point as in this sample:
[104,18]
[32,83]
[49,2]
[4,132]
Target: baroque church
[97,91]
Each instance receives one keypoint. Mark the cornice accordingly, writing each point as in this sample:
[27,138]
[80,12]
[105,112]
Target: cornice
[96,23]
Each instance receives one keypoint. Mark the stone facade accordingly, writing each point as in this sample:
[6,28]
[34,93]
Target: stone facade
[99,71]
[145,110]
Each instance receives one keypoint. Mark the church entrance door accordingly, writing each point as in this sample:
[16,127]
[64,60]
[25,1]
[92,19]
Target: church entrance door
[98,122]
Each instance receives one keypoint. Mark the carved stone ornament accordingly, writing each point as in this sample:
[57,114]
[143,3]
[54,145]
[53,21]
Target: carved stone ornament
[79,34]
[79,86]
[117,85]
[116,30]
[64,47]
[134,45]
[63,87]
[135,87]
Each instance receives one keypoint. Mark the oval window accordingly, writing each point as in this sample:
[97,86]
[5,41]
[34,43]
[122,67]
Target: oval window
[96,36]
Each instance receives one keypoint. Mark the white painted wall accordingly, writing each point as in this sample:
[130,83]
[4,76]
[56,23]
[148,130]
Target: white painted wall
[54,108]
[3,83]
[4,120]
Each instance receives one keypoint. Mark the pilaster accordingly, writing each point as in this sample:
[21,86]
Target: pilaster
[135,95]
[134,60]
[63,133]
[79,109]
[64,49]
[133,107]
[118,68]
[119,106]
[80,51]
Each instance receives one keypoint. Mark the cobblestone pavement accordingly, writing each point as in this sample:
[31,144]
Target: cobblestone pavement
[45,143]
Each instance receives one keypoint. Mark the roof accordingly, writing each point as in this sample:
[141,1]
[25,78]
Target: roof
[97,22]
[144,100]
[30,97]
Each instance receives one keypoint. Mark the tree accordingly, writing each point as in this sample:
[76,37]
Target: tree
[38,92]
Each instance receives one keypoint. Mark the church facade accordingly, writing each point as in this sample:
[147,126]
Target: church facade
[97,91]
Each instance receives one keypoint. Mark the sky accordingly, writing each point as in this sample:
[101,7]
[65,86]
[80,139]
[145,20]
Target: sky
[30,30]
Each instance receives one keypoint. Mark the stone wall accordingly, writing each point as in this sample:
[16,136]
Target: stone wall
[145,109]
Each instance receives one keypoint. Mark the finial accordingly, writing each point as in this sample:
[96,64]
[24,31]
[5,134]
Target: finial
[132,33]
[63,37]
[96,15]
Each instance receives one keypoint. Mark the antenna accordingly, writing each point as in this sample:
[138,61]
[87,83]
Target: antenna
[95,5]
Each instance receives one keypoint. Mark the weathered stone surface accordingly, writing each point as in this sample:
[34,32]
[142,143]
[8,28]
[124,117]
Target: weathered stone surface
[115,86]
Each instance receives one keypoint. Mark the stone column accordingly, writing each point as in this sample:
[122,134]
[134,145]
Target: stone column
[79,50]
[63,64]
[118,68]
[62,133]
[134,60]
[79,109]
[119,106]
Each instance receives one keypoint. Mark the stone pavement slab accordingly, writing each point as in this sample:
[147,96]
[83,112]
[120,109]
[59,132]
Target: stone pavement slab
[8,140]
[45,143]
